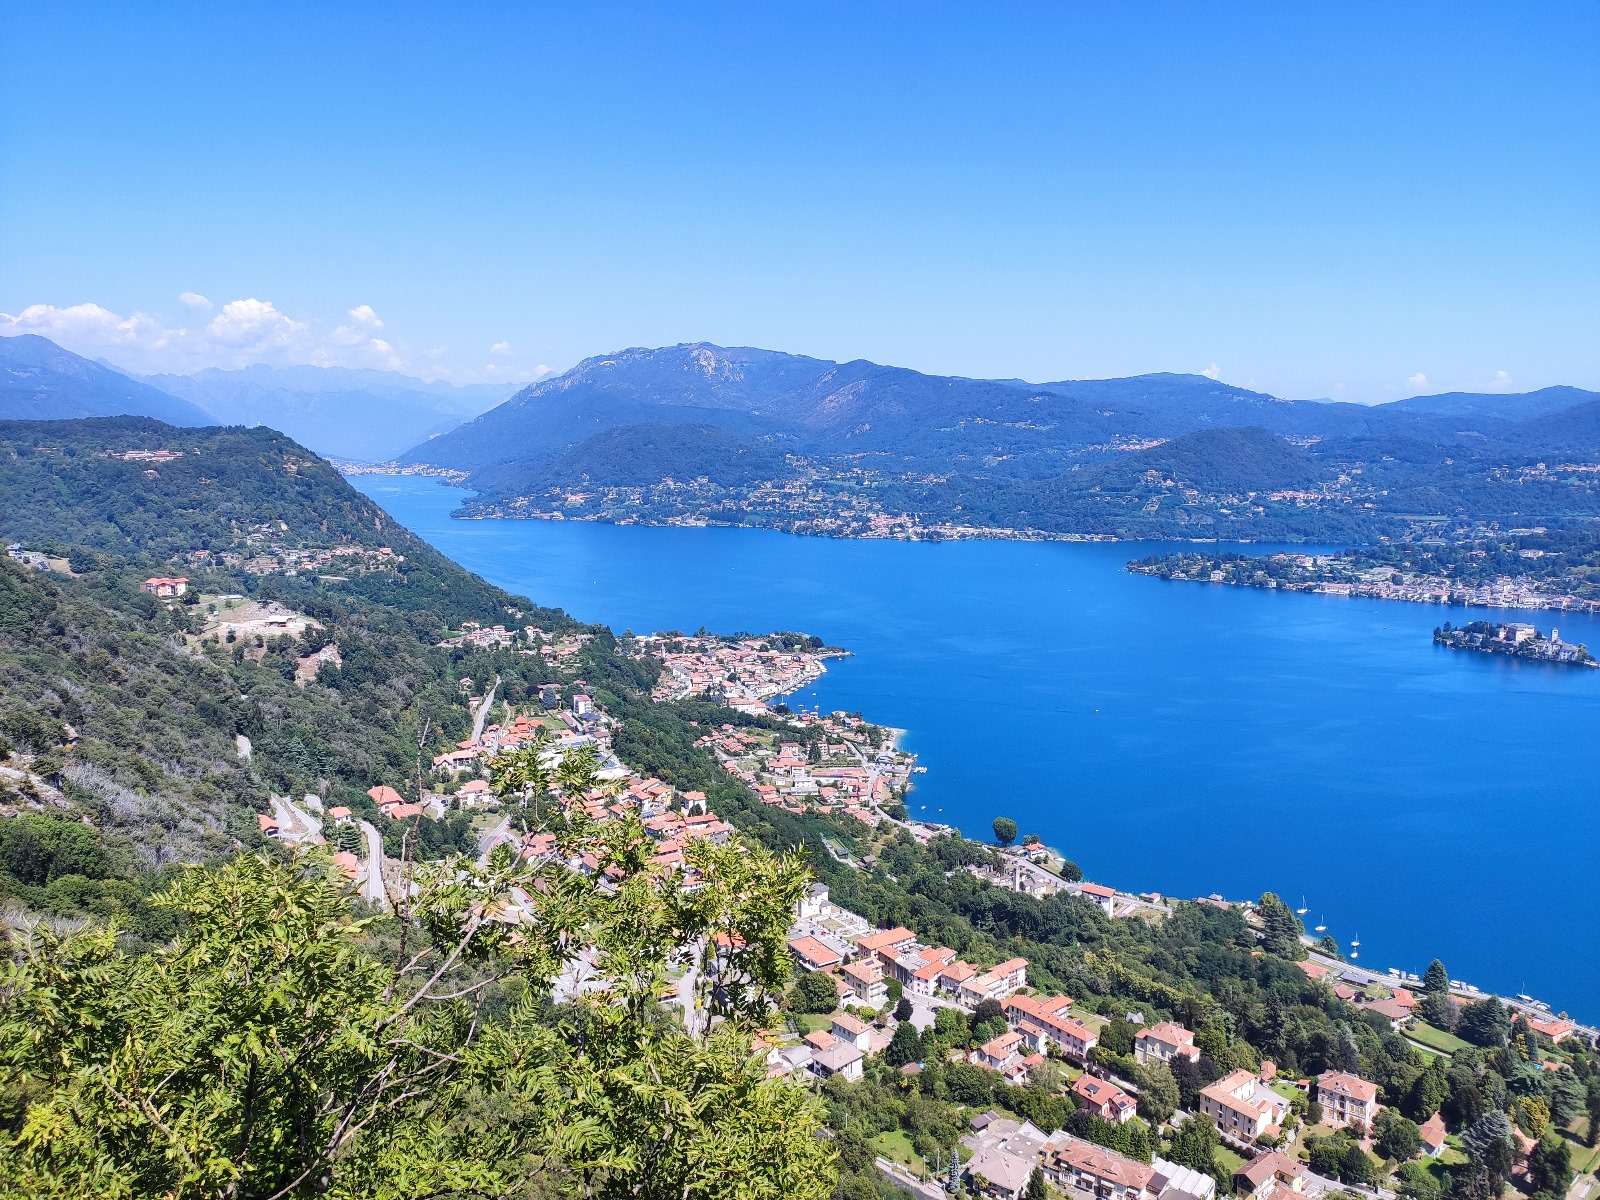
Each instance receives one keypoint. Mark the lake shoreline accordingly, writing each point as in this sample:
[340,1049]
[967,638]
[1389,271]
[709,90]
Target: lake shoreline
[1044,682]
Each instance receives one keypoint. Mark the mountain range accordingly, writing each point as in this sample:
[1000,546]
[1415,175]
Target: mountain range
[361,415]
[738,435]
[706,432]
[39,381]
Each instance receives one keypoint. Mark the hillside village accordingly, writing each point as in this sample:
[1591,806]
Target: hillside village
[876,1003]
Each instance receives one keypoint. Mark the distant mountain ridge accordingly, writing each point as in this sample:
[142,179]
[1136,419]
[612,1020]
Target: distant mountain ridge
[874,447]
[363,415]
[39,381]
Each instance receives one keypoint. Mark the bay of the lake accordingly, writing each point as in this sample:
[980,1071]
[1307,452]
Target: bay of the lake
[1171,737]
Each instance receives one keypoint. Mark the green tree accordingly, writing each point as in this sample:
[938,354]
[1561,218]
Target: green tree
[1440,1010]
[37,850]
[1005,830]
[905,1047]
[1281,928]
[1550,1166]
[1195,1144]
[279,1048]
[1428,1091]
[1435,979]
[1158,1093]
[1117,1036]
[1036,1186]
[903,1009]
[1356,1165]
[817,991]
[1485,1023]
[1395,1137]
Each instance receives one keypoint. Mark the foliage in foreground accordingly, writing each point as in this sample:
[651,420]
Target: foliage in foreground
[284,1046]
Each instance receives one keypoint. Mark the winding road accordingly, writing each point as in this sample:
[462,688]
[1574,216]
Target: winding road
[372,888]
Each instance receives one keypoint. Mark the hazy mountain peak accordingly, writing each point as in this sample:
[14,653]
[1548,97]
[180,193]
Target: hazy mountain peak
[40,380]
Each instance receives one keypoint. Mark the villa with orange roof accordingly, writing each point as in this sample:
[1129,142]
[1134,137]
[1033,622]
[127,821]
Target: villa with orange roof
[1432,1131]
[1163,1043]
[1347,1099]
[1001,1051]
[1101,896]
[813,955]
[1105,1099]
[1557,1029]
[865,981]
[384,794]
[1243,1106]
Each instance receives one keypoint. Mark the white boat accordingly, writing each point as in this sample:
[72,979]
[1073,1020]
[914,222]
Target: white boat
[1322,928]
[1302,910]
[1355,942]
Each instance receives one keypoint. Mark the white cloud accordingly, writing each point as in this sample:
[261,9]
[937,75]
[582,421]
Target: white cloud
[1417,380]
[254,326]
[1211,372]
[247,331]
[1502,379]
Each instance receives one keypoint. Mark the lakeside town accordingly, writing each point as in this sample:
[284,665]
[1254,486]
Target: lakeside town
[1341,575]
[866,994]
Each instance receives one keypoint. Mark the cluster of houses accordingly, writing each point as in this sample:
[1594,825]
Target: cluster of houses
[581,724]
[259,553]
[847,777]
[743,673]
[145,456]
[530,639]
[1005,1154]
[862,968]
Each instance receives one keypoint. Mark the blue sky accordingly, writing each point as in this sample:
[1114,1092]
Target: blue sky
[1316,200]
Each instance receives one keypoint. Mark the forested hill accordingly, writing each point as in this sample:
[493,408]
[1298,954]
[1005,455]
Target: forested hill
[169,498]
[127,709]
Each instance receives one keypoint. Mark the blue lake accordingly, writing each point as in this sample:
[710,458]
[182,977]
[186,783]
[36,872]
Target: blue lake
[1174,737]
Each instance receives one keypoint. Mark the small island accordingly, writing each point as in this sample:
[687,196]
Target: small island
[1513,638]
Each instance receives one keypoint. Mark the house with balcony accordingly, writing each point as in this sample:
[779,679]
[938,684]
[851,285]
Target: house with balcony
[1271,1176]
[1164,1042]
[1347,1099]
[1105,1099]
[1083,1169]
[864,981]
[1243,1106]
[994,983]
